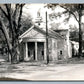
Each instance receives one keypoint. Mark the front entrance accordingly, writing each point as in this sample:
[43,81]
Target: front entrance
[40,51]
[31,50]
[35,50]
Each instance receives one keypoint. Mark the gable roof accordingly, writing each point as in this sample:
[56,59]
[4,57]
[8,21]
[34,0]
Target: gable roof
[51,33]
[26,32]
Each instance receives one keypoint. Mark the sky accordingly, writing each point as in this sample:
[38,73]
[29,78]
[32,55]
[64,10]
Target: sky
[32,9]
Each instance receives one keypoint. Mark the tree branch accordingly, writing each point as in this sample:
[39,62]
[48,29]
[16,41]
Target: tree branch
[19,18]
[6,35]
[14,17]
[3,12]
[8,9]
[20,14]
[70,12]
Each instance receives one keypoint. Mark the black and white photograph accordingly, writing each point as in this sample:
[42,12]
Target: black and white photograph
[42,42]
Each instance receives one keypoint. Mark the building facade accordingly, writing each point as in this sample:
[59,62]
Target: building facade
[33,45]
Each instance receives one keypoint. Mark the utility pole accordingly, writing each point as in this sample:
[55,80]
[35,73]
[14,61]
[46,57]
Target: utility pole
[47,51]
[80,31]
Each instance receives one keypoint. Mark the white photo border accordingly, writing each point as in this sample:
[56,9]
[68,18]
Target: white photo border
[41,1]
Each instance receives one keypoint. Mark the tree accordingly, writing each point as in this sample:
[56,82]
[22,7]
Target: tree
[74,33]
[75,10]
[10,25]
[26,23]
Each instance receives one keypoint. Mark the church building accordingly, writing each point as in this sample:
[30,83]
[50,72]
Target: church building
[33,45]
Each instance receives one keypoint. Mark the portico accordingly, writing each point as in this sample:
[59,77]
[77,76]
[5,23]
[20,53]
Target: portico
[35,51]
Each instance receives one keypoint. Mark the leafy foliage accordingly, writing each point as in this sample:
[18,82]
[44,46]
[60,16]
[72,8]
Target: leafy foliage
[77,10]
[74,33]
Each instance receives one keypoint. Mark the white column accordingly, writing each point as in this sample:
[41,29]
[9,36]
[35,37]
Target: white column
[45,51]
[26,55]
[36,51]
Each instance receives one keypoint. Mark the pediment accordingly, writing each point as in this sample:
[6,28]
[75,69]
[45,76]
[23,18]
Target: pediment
[33,33]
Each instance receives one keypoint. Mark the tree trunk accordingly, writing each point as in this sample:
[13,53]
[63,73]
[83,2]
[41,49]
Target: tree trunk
[16,52]
[6,35]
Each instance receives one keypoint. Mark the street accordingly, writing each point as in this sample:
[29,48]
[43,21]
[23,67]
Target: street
[41,72]
[38,71]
